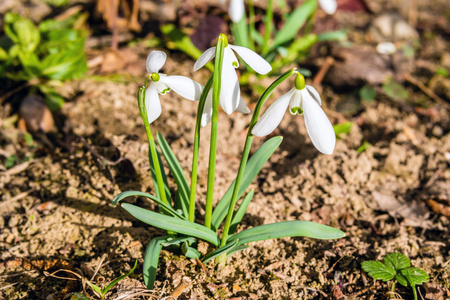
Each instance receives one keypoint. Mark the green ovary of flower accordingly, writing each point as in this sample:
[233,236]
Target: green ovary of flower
[300,82]
[155,77]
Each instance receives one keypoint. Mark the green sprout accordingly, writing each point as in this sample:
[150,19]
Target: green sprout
[397,267]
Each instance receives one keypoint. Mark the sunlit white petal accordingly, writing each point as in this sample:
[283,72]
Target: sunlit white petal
[229,90]
[204,58]
[152,103]
[273,115]
[183,86]
[160,86]
[237,10]
[317,124]
[256,62]
[314,94]
[242,107]
[207,110]
[231,56]
[329,6]
[155,61]
[295,102]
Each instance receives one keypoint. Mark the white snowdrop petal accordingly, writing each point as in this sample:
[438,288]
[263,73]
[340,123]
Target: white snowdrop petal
[231,56]
[314,94]
[318,126]
[183,86]
[273,115]
[152,103]
[329,6]
[229,90]
[242,107]
[161,87]
[295,101]
[155,61]
[237,10]
[207,110]
[256,62]
[204,58]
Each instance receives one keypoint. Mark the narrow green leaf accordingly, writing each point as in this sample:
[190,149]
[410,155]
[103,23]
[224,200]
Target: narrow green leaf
[337,35]
[240,32]
[177,241]
[152,170]
[287,229]
[236,250]
[172,224]
[366,145]
[295,21]
[228,247]
[342,128]
[254,165]
[177,171]
[115,281]
[397,261]
[151,259]
[241,211]
[378,270]
[189,251]
[163,205]
[96,289]
[413,276]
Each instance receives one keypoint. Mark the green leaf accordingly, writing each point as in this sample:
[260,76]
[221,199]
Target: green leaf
[343,128]
[337,35]
[172,224]
[397,261]
[22,31]
[241,211]
[177,171]
[53,99]
[115,281]
[177,241]
[395,90]
[367,93]
[378,270]
[189,251]
[286,229]
[151,259]
[240,32]
[182,42]
[228,247]
[79,296]
[167,208]
[366,145]
[3,54]
[412,277]
[295,21]
[152,170]
[236,249]
[96,289]
[254,165]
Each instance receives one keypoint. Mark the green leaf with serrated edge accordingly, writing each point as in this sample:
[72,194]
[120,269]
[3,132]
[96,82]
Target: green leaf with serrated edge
[172,224]
[189,251]
[397,261]
[177,172]
[163,205]
[254,165]
[152,170]
[115,281]
[151,259]
[295,21]
[287,229]
[236,249]
[412,277]
[220,251]
[378,270]
[241,211]
[177,241]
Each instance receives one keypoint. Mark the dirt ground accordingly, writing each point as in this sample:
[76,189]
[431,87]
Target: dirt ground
[55,203]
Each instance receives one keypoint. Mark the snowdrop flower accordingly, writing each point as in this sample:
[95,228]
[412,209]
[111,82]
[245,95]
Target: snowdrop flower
[329,6]
[161,84]
[230,94]
[236,10]
[302,99]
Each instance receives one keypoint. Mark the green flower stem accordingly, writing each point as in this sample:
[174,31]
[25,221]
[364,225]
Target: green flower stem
[392,290]
[151,142]
[268,29]
[251,23]
[247,147]
[201,106]
[220,49]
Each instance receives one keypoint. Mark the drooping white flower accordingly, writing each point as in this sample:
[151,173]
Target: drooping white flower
[236,10]
[302,99]
[329,6]
[230,94]
[161,84]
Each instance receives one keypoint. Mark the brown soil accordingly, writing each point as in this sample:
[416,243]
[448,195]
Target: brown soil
[56,212]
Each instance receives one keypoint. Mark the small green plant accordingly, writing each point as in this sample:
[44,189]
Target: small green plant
[42,56]
[101,292]
[397,267]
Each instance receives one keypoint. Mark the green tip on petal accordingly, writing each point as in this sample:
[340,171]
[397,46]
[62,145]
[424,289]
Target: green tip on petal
[163,92]
[224,39]
[299,82]
[155,77]
[235,64]
[296,110]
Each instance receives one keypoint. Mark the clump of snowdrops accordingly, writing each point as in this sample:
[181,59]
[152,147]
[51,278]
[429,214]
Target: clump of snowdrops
[177,215]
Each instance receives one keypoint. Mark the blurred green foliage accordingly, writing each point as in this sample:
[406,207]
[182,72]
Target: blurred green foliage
[44,55]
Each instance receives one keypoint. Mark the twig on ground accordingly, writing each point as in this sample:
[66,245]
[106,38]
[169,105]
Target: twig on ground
[426,90]
[329,61]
